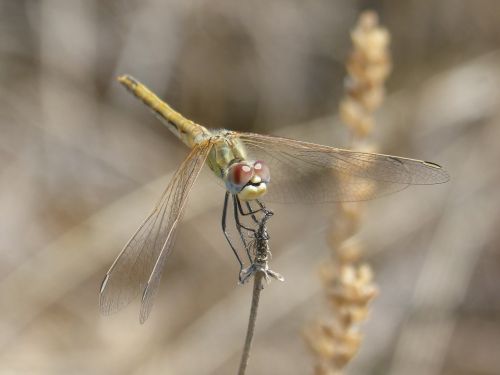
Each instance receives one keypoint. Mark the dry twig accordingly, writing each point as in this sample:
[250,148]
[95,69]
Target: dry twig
[260,270]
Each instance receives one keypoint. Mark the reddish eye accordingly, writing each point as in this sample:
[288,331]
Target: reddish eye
[262,170]
[239,174]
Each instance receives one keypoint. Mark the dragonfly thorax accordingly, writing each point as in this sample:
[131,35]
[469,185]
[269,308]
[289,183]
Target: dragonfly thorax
[247,179]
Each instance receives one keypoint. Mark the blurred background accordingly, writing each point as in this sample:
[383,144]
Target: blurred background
[82,162]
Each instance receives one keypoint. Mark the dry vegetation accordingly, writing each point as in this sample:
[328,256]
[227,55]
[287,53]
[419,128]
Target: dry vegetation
[347,280]
[81,163]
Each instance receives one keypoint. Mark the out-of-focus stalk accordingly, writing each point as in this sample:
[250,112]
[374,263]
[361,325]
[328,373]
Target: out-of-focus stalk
[347,281]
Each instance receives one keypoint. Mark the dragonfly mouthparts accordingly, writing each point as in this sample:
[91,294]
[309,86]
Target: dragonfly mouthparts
[255,183]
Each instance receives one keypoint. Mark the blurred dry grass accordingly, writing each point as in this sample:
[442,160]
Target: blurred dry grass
[81,163]
[348,281]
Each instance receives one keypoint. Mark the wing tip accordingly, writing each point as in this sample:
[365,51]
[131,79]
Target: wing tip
[103,303]
[442,175]
[106,305]
[432,164]
[145,305]
[143,316]
[104,283]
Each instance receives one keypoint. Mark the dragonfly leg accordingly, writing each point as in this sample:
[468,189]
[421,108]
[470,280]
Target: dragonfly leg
[239,208]
[224,214]
[250,210]
[239,226]
[262,208]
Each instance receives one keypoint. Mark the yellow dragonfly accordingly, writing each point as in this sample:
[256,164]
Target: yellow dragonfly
[254,168]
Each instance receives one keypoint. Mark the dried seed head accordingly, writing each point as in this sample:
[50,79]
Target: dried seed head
[349,285]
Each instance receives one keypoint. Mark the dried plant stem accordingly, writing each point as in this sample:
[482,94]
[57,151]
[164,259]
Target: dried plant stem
[259,269]
[257,288]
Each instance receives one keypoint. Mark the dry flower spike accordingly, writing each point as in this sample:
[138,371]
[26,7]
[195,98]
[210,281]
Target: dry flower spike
[348,283]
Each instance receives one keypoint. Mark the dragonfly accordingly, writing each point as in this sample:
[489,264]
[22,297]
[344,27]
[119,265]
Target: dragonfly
[254,169]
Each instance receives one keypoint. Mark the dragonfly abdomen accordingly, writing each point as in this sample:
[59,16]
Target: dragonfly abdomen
[186,130]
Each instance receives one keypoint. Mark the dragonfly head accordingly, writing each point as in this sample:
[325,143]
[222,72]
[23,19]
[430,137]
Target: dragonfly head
[247,179]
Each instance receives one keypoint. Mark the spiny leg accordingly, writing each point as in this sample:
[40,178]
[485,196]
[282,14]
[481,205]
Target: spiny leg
[239,226]
[267,213]
[224,213]
[250,210]
[239,208]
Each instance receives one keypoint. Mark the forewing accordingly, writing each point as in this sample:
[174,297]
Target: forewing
[307,172]
[138,267]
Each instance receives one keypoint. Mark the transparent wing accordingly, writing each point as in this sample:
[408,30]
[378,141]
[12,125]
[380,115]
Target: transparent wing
[138,267]
[307,172]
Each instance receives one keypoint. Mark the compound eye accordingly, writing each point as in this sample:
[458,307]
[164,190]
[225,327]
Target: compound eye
[262,170]
[239,174]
